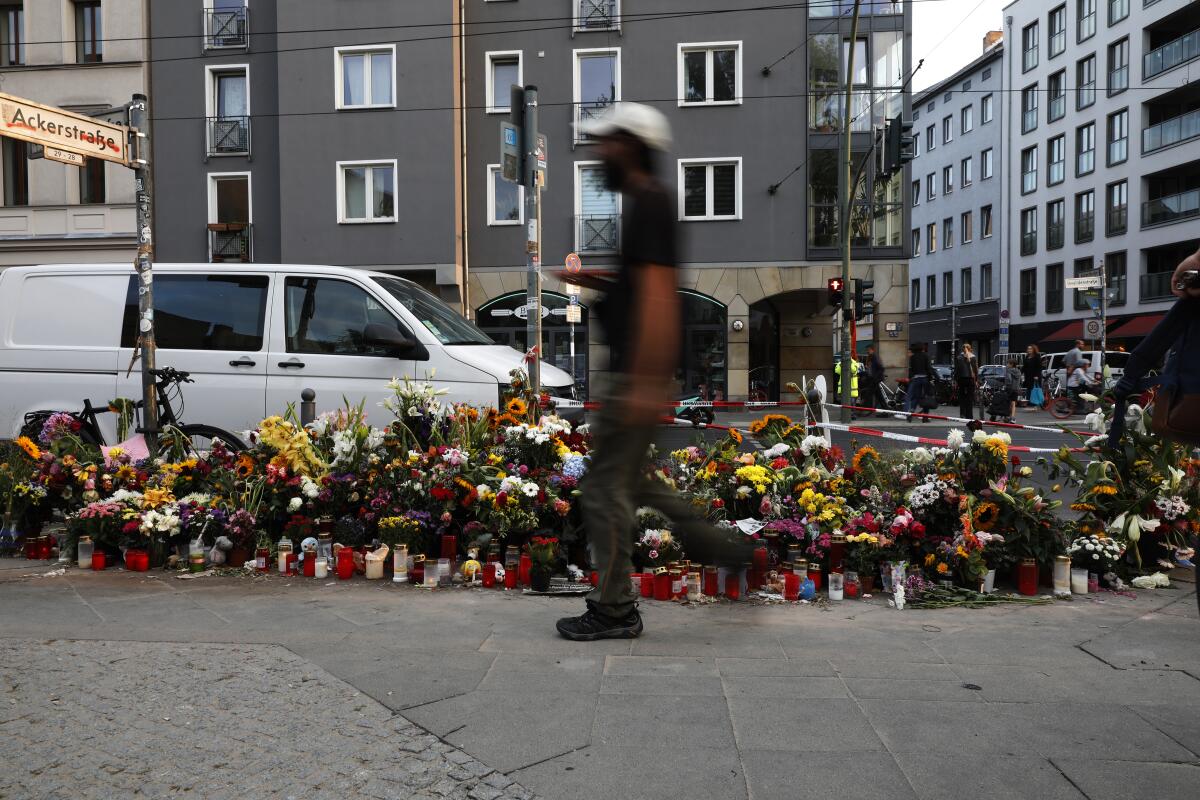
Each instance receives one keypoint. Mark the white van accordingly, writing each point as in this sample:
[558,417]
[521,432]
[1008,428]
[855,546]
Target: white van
[253,338]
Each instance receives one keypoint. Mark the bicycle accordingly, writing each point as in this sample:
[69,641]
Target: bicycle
[894,398]
[1067,405]
[173,433]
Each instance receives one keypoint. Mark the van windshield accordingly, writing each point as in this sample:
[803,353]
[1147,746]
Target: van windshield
[437,317]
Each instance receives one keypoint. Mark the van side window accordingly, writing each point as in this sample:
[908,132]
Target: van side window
[328,316]
[202,312]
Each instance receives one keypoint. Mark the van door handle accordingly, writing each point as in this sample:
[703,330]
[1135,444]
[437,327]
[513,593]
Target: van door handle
[293,364]
[241,362]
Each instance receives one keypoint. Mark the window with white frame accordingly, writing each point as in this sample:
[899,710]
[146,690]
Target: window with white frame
[966,172]
[947,179]
[710,73]
[931,185]
[947,129]
[366,191]
[366,76]
[967,123]
[985,108]
[966,228]
[710,189]
[503,71]
[985,164]
[597,83]
[597,210]
[227,108]
[505,199]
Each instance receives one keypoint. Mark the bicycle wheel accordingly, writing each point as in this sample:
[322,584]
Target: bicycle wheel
[200,438]
[1062,407]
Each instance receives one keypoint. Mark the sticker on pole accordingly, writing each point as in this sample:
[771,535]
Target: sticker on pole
[573,263]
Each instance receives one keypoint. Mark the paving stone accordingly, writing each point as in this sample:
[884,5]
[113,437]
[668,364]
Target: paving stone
[679,722]
[818,776]
[801,725]
[1113,780]
[985,775]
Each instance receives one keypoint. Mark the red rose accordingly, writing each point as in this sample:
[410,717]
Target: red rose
[718,503]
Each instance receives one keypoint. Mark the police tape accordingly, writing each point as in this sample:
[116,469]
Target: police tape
[964,420]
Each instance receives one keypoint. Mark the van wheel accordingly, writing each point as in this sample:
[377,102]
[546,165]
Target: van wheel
[201,438]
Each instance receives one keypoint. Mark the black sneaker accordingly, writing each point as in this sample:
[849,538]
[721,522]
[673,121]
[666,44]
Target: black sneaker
[593,625]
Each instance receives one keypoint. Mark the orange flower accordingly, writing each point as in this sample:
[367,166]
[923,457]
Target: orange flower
[31,449]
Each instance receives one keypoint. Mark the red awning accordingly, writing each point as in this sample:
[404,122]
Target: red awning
[1138,326]
[1067,333]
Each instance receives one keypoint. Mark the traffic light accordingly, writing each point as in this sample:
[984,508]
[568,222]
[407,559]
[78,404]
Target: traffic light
[835,292]
[881,153]
[864,298]
[901,146]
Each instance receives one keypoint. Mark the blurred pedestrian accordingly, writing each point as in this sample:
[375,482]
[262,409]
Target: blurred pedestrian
[919,377]
[873,381]
[966,375]
[641,315]
[1032,373]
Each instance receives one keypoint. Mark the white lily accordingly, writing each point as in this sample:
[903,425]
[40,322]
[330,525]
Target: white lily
[1132,526]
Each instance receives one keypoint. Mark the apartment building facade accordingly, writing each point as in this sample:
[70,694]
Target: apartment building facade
[955,190]
[86,56]
[1103,124]
[368,134]
[307,131]
[753,98]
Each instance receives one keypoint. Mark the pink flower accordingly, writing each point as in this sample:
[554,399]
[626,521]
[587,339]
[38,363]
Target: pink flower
[653,554]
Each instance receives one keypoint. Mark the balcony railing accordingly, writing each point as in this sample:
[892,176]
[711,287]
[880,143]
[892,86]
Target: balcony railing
[585,112]
[1171,131]
[597,15]
[226,28]
[1171,54]
[1156,285]
[230,241]
[598,233]
[228,136]
[1172,208]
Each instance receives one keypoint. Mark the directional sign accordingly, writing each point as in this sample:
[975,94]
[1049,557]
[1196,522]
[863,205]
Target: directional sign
[64,130]
[510,152]
[1086,282]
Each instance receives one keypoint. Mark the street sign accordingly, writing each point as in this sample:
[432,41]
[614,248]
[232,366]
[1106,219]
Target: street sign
[64,130]
[574,314]
[510,152]
[1085,282]
[573,263]
[1092,328]
[63,157]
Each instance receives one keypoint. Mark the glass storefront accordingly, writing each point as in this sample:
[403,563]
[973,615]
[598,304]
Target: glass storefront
[504,320]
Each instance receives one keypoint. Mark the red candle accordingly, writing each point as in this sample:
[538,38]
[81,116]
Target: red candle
[837,553]
[814,575]
[290,563]
[851,589]
[676,582]
[526,566]
[1027,577]
[450,546]
[594,578]
[510,578]
[761,558]
[489,575]
[733,585]
[345,563]
[98,558]
[647,585]
[662,584]
[260,559]
[416,575]
[310,564]
[45,548]
[791,587]
[710,582]
[493,555]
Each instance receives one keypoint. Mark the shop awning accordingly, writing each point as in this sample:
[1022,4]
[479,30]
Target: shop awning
[1136,327]
[1068,333]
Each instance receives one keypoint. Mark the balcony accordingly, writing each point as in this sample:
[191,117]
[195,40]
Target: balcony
[1172,131]
[585,112]
[598,233]
[228,136]
[229,241]
[597,15]
[1171,208]
[226,29]
[1171,55]
[1156,286]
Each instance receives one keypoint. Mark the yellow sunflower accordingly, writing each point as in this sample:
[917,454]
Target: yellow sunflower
[736,435]
[1082,507]
[996,446]
[864,453]
[985,516]
[517,407]
[31,449]
[1104,488]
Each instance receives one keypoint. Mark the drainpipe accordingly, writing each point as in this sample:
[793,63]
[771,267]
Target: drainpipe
[1006,223]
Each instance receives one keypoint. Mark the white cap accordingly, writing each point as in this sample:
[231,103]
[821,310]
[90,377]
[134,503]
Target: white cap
[646,123]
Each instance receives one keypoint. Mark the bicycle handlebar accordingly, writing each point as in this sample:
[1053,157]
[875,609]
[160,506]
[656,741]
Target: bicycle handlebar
[171,375]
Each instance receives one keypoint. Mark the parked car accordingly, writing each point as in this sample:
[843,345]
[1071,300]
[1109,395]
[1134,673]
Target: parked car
[947,390]
[1116,360]
[252,336]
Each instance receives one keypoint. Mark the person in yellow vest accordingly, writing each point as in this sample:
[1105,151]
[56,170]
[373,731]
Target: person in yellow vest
[855,366]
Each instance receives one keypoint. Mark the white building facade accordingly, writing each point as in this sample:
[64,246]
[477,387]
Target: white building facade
[85,56]
[1103,145]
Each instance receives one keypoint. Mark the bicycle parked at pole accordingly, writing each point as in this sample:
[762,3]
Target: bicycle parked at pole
[174,435]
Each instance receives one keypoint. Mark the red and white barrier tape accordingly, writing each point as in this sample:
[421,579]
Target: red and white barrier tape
[904,437]
[964,420]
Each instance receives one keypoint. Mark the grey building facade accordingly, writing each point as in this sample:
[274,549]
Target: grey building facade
[754,101]
[305,131]
[367,134]
[956,189]
[1103,135]
[86,57]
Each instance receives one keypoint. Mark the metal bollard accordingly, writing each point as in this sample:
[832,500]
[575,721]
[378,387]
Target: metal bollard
[308,407]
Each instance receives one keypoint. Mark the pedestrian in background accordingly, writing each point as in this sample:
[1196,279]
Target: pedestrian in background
[966,375]
[919,377]
[641,315]
[874,381]
[855,368]
[1032,372]
[1012,384]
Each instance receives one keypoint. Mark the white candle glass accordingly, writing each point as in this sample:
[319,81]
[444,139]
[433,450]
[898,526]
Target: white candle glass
[836,586]
[320,567]
[1079,581]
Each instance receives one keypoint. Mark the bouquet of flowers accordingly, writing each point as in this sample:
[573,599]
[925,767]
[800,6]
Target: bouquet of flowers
[1095,553]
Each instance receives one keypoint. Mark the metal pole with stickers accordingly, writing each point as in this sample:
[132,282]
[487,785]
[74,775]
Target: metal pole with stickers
[71,138]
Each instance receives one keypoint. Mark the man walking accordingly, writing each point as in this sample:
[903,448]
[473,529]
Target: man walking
[1073,358]
[874,394]
[919,370]
[641,317]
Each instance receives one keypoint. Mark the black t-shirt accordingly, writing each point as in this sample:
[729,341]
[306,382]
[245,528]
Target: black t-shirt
[647,237]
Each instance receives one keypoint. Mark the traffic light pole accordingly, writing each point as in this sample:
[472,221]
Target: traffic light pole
[533,254]
[847,356]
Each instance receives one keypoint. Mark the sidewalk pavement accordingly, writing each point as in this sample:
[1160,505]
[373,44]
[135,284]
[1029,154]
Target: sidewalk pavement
[274,687]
